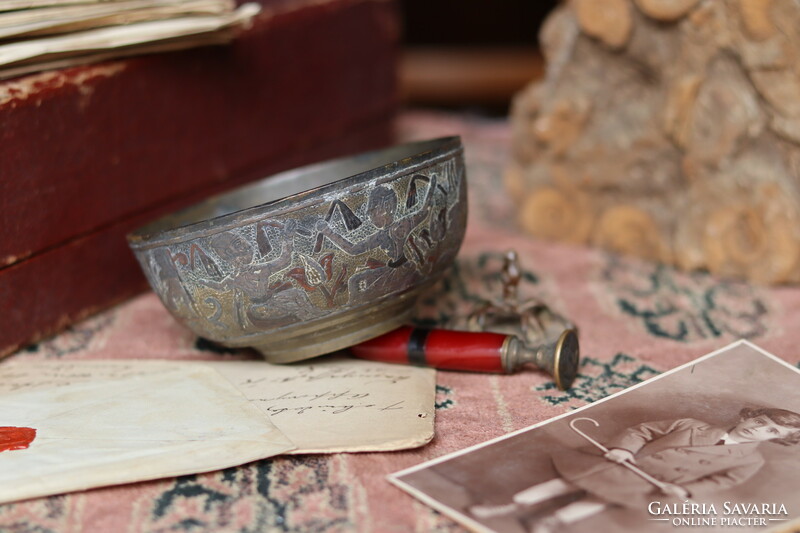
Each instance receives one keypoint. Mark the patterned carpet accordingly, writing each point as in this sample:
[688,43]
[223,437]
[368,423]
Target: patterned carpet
[636,320]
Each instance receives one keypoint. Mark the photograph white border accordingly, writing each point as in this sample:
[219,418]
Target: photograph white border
[477,526]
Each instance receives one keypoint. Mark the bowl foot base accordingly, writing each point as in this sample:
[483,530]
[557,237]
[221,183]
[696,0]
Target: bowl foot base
[349,329]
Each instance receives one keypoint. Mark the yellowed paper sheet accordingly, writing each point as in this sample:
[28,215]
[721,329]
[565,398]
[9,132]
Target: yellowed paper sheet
[112,37]
[10,5]
[220,37]
[33,22]
[102,423]
[340,404]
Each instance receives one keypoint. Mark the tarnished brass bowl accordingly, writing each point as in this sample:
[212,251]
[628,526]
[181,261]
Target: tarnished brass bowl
[315,259]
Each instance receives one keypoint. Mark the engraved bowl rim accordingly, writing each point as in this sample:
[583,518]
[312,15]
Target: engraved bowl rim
[290,342]
[160,232]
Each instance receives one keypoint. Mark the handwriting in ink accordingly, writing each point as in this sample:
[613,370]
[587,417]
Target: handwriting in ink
[274,410]
[314,397]
[313,374]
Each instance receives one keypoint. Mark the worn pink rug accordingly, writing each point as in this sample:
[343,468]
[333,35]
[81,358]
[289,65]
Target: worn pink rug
[636,320]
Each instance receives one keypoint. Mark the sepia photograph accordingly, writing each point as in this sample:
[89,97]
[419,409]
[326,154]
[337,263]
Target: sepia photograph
[712,445]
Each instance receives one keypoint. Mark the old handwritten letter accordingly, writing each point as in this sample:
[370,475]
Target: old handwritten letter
[68,426]
[338,404]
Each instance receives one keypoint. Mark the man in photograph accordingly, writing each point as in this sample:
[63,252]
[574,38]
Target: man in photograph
[686,459]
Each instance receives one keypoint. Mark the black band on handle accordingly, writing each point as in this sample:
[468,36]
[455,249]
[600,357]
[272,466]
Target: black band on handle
[416,346]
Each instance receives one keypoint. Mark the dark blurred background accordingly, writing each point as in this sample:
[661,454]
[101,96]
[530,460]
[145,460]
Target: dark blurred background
[470,54]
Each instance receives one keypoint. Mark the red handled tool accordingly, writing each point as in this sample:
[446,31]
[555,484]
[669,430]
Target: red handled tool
[474,351]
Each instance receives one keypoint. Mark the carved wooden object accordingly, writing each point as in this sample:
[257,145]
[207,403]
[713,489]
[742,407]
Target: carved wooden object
[669,130]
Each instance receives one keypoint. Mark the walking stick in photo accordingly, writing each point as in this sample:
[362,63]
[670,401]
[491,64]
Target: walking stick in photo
[663,487]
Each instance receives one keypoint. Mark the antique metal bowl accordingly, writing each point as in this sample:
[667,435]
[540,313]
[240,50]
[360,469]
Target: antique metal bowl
[315,259]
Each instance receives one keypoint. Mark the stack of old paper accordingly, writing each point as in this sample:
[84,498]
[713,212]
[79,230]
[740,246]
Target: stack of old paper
[42,34]
[68,426]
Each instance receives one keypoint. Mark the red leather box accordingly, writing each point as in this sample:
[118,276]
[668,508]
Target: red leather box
[89,153]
